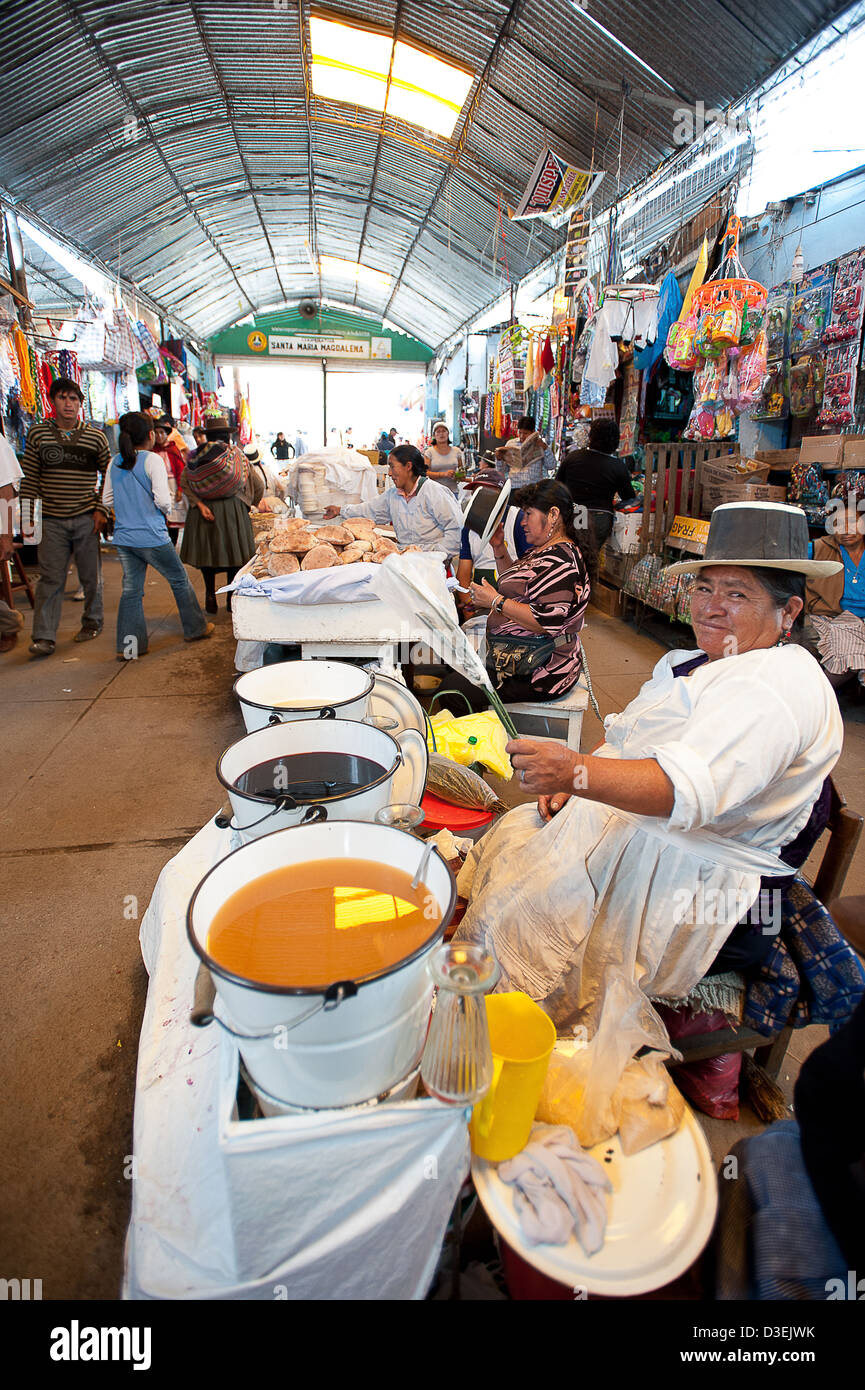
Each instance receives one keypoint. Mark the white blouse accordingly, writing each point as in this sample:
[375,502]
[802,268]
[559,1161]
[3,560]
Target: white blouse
[598,894]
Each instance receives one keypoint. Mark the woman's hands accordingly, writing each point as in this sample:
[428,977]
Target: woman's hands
[483,595]
[544,766]
[549,806]
[206,513]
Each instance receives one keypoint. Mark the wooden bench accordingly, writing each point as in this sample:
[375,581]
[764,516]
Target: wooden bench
[844,831]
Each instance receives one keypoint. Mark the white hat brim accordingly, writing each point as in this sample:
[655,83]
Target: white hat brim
[814,569]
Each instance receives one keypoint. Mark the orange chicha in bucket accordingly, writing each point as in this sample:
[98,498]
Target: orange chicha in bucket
[330,919]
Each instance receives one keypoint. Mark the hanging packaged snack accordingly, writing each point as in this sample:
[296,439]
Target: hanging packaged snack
[683,597]
[750,372]
[729,307]
[663,593]
[642,576]
[681,350]
[705,340]
[727,326]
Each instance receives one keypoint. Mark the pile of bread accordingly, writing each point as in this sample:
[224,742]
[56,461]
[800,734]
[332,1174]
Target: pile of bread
[287,544]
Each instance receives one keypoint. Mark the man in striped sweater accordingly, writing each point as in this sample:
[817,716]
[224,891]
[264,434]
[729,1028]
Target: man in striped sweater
[62,462]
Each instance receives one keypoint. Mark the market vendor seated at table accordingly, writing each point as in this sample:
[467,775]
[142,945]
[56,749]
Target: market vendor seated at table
[642,857]
[537,611]
[477,561]
[419,513]
[835,625]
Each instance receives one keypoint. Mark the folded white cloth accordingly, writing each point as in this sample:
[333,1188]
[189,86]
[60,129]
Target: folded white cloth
[337,584]
[559,1189]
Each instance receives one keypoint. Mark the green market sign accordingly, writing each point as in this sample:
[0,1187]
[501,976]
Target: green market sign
[331,334]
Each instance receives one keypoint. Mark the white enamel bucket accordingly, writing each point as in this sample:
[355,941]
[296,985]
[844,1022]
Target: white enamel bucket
[314,689]
[356,1038]
[259,815]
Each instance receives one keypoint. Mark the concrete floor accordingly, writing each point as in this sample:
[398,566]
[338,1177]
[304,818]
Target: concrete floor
[109,769]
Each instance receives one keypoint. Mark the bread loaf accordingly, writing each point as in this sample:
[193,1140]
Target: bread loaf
[298,541]
[354,552]
[283,562]
[320,557]
[333,535]
[360,527]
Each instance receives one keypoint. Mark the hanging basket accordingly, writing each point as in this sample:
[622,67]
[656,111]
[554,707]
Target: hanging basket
[730,286]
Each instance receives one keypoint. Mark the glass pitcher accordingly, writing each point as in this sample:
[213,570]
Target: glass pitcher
[457,1064]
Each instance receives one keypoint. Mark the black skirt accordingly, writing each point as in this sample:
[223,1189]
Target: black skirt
[226,542]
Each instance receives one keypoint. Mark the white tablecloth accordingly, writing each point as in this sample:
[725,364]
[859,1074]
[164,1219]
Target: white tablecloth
[334,1205]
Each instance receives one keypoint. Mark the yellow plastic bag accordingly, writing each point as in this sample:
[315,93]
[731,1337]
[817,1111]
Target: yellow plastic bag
[472,738]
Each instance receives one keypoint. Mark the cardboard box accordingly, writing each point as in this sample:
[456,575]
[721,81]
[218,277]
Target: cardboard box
[751,492]
[605,598]
[854,451]
[778,458]
[717,477]
[615,566]
[625,535]
[827,449]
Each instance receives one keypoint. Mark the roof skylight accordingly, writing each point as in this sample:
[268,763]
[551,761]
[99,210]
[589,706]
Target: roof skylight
[352,64]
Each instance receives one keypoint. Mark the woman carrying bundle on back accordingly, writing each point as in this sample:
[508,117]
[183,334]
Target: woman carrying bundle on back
[218,536]
[136,488]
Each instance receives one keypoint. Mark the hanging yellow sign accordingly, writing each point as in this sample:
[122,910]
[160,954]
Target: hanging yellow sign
[689,533]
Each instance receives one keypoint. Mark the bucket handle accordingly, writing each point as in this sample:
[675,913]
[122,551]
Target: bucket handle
[313,815]
[326,712]
[205,997]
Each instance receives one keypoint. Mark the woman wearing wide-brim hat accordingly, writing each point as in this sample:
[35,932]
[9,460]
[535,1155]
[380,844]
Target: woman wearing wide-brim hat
[700,784]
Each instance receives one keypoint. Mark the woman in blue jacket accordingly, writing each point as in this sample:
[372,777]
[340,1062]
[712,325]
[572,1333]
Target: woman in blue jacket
[136,488]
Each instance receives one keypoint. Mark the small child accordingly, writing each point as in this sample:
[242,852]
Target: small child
[174,466]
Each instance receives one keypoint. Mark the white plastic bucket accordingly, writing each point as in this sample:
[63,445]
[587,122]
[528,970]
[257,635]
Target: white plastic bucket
[320,1048]
[321,690]
[259,815]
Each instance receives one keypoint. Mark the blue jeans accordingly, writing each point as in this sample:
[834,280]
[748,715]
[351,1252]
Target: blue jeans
[131,626]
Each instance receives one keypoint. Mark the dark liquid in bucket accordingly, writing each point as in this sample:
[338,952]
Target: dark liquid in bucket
[327,920]
[309,776]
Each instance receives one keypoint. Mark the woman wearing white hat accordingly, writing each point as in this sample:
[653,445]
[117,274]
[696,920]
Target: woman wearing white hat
[698,786]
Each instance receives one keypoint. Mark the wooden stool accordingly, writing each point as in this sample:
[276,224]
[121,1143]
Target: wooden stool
[569,707]
[22,582]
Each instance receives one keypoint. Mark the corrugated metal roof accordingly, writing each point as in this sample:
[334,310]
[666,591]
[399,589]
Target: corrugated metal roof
[169,138]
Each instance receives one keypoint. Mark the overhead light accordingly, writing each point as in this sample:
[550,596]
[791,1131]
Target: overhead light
[351,64]
[353,270]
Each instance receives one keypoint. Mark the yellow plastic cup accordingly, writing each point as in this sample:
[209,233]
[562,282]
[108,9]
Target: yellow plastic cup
[522,1037]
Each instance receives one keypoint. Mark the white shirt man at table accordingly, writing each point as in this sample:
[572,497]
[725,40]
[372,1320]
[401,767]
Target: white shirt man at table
[419,513]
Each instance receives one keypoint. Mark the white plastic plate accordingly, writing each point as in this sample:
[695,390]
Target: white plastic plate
[660,1215]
